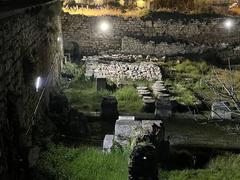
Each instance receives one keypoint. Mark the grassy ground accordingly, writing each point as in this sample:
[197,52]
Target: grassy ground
[223,167]
[83,163]
[190,81]
[185,80]
[88,163]
[83,95]
[184,130]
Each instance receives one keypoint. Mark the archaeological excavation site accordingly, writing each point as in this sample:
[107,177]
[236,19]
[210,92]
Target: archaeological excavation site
[119,89]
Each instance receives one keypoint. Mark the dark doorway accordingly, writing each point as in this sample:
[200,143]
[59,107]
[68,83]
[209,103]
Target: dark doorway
[72,49]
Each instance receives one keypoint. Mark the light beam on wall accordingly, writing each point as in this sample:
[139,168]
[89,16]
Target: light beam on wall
[38,83]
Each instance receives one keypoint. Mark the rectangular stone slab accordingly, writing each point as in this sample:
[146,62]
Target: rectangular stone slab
[108,142]
[126,118]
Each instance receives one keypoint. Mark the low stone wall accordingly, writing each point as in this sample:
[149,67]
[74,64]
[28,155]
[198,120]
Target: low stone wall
[135,46]
[28,49]
[122,70]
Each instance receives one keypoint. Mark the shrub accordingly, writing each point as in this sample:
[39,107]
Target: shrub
[192,68]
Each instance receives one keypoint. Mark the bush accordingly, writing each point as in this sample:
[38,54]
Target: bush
[192,68]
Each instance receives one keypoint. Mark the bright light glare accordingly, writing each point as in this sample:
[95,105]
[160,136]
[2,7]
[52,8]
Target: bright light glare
[228,23]
[104,26]
[38,83]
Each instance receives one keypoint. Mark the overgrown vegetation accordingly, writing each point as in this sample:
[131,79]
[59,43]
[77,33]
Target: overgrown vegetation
[223,167]
[89,163]
[186,81]
[114,8]
[128,100]
[83,163]
[83,95]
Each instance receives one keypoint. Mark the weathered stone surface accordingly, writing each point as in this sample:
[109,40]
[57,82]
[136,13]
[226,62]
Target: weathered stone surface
[116,70]
[108,142]
[124,128]
[173,35]
[29,48]
[221,110]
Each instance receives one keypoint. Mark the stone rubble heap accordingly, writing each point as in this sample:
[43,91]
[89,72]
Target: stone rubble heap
[117,57]
[115,70]
[126,129]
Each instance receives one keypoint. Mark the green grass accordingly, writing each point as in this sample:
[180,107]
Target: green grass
[128,100]
[83,95]
[89,163]
[186,80]
[83,163]
[223,167]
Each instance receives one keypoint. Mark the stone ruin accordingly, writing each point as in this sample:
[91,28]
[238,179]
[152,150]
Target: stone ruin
[146,140]
[221,110]
[127,129]
[117,69]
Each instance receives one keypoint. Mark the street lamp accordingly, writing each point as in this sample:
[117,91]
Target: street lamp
[228,24]
[104,26]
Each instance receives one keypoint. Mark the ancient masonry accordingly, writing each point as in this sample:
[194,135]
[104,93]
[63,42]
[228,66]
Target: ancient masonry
[155,98]
[116,70]
[181,34]
[28,49]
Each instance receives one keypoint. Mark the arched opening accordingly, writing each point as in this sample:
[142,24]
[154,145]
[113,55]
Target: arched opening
[71,49]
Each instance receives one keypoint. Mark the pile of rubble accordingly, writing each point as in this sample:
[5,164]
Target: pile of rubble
[115,70]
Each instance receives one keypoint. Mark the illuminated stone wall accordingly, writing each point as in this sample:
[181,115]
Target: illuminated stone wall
[29,47]
[196,31]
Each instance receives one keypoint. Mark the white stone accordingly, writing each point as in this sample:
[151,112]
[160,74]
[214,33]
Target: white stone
[108,142]
[126,118]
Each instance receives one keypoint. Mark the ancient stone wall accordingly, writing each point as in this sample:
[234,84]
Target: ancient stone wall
[116,70]
[30,46]
[160,36]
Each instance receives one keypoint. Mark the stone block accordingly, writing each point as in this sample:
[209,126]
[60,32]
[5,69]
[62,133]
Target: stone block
[101,84]
[124,131]
[108,142]
[126,118]
[109,108]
